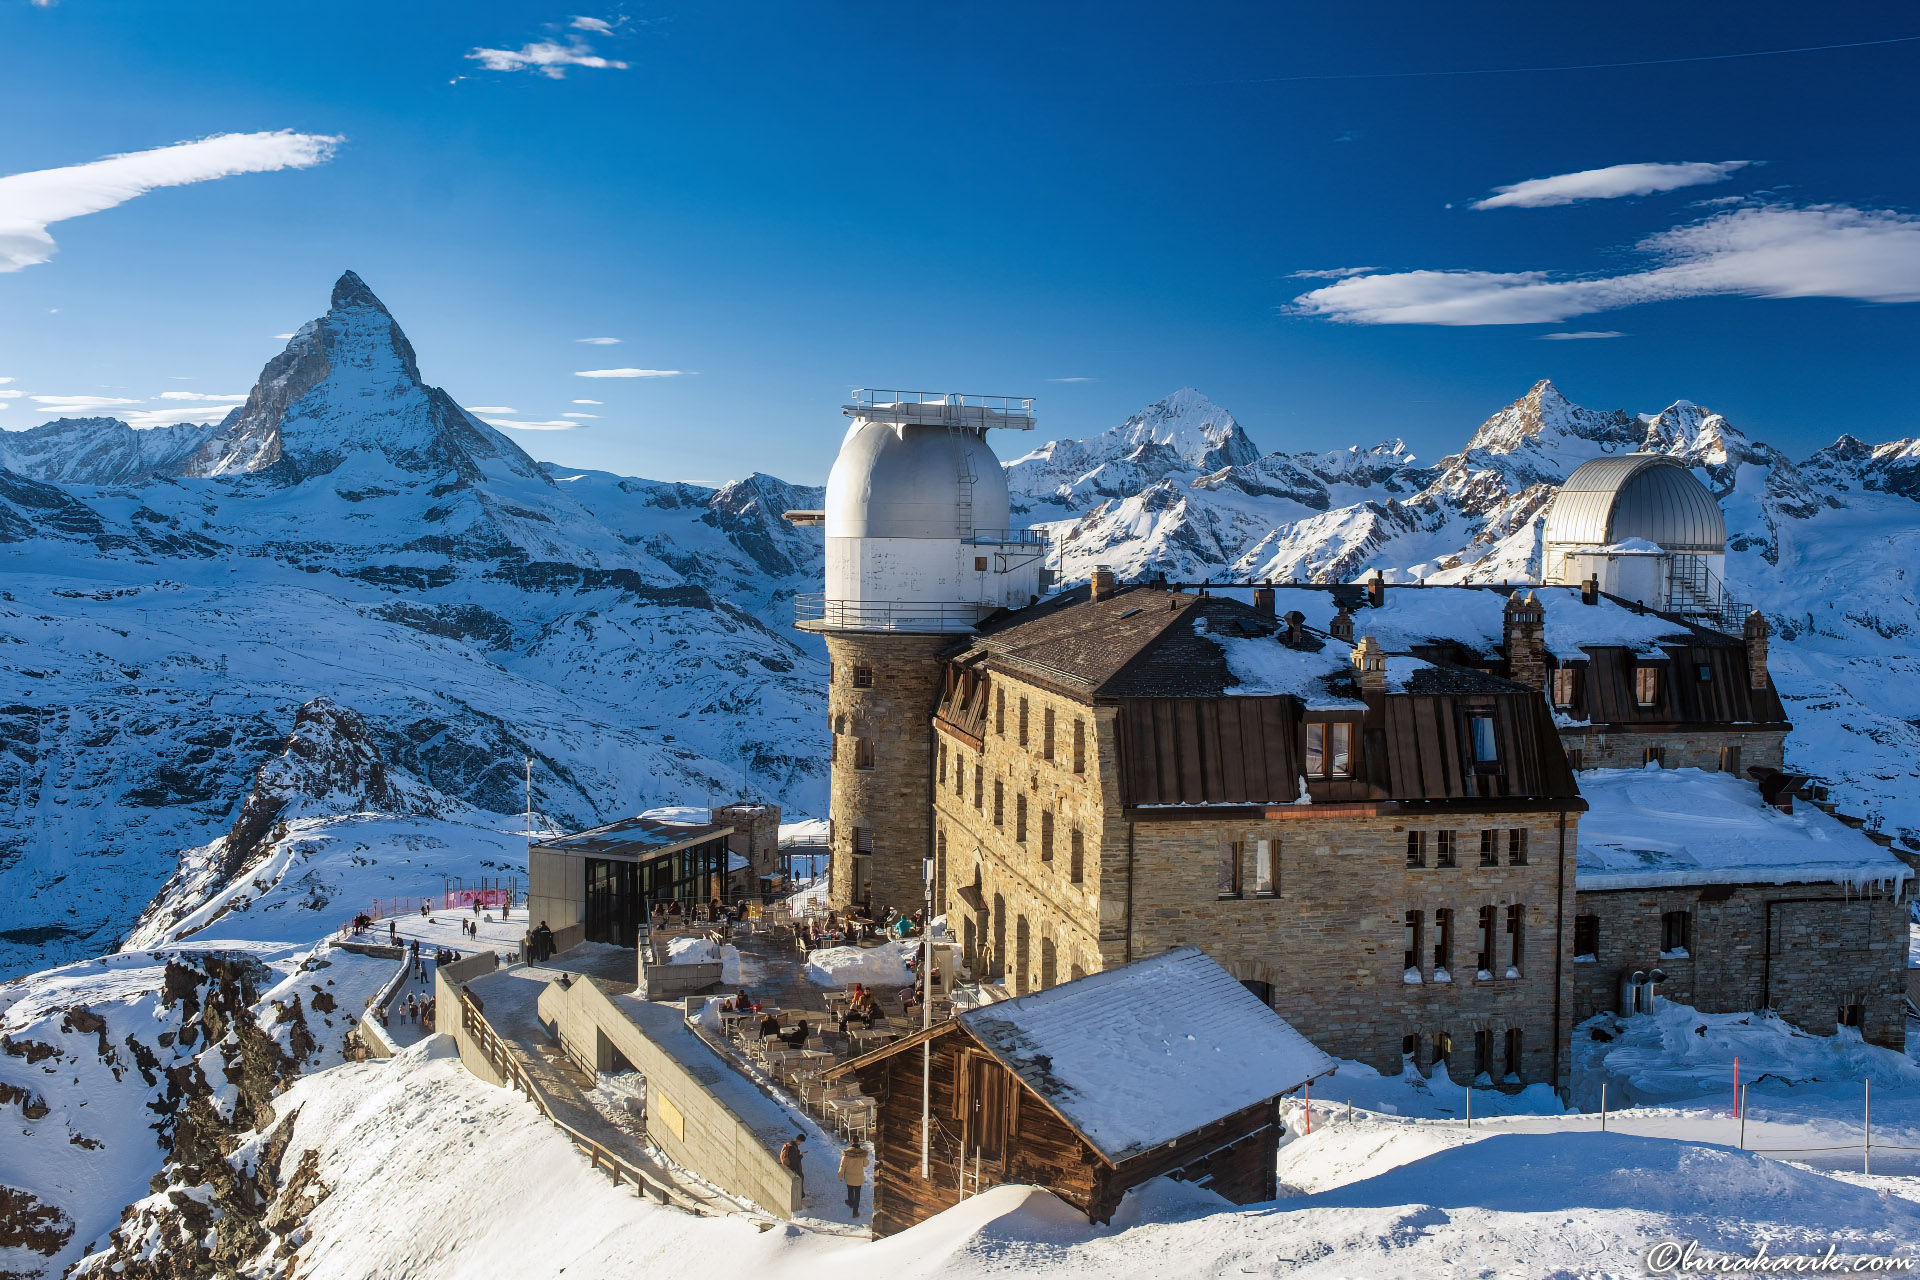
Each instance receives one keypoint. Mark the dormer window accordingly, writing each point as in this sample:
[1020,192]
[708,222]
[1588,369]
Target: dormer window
[1486,749]
[1330,750]
[1566,684]
[1646,686]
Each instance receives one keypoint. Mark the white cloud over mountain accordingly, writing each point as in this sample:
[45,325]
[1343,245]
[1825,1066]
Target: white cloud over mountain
[31,202]
[628,373]
[1773,251]
[546,58]
[1609,183]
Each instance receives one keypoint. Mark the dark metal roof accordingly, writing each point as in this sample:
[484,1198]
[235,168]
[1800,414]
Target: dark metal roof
[641,839]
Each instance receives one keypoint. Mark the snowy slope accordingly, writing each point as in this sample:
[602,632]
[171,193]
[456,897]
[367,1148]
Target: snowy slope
[352,533]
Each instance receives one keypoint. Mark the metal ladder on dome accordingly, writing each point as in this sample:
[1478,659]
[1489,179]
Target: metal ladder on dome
[967,478]
[1693,590]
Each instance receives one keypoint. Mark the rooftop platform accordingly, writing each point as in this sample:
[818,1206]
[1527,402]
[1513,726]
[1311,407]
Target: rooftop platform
[640,839]
[941,409]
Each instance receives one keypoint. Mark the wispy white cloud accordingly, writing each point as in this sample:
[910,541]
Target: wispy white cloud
[546,58]
[628,373]
[71,404]
[200,395]
[587,402]
[557,425]
[580,415]
[168,417]
[1332,273]
[282,337]
[600,342]
[1610,183]
[481,410]
[5,381]
[1072,379]
[10,395]
[31,202]
[1581,335]
[1772,251]
[598,26]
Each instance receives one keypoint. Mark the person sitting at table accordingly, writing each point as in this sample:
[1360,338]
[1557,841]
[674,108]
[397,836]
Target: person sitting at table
[740,1000]
[798,1036]
[770,1025]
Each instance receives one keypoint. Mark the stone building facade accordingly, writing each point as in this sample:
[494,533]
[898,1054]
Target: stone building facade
[880,686]
[1819,955]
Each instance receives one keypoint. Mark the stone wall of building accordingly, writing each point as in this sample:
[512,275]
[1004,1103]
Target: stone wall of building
[1807,951]
[1685,748]
[755,837]
[1329,943]
[884,793]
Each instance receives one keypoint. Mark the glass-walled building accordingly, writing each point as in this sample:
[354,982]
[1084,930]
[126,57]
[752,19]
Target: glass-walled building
[602,883]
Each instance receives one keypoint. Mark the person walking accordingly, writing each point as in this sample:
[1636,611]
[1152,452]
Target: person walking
[853,1172]
[792,1157]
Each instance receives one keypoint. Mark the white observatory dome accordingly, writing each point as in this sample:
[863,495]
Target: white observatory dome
[1637,495]
[900,480]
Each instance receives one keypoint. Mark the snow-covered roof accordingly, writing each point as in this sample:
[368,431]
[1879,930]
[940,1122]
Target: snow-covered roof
[1264,667]
[1658,828]
[1572,626]
[1138,1056]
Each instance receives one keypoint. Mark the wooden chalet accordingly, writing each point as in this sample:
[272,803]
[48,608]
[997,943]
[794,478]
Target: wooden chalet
[1164,1067]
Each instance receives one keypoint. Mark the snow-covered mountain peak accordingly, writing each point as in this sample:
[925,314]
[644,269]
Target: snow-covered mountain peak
[1544,422]
[1201,432]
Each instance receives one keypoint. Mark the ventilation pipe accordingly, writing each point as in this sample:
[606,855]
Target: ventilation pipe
[1590,591]
[1376,590]
[1263,600]
[1296,633]
[1341,628]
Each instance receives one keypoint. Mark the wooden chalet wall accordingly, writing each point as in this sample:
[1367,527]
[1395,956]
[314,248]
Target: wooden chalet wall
[1234,1156]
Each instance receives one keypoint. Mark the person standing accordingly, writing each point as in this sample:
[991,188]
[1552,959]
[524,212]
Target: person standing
[792,1157]
[853,1172]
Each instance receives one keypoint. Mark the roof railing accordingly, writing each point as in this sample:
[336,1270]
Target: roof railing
[875,397]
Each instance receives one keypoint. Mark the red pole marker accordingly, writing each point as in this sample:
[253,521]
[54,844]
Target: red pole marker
[1736,1086]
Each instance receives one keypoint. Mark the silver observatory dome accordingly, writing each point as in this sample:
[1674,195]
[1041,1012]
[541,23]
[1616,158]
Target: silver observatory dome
[906,480]
[1636,495]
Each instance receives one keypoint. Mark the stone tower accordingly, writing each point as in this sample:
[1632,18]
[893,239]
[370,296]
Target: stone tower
[919,550]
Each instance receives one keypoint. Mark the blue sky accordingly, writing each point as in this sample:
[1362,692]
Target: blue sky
[778,201]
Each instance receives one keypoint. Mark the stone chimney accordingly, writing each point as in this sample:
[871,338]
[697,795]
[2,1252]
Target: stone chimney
[1756,633]
[1376,590]
[1296,632]
[1102,586]
[1525,640]
[1590,591]
[1370,665]
[1263,600]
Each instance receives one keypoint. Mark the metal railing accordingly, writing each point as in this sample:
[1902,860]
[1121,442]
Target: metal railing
[503,1061]
[875,397]
[886,615]
[1007,538]
[1696,591]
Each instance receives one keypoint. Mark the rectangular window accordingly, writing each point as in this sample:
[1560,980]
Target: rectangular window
[1676,933]
[979,564]
[1046,735]
[1330,750]
[979,785]
[1730,760]
[1646,685]
[1079,746]
[1513,1055]
[1564,686]
[1020,818]
[1483,1053]
[1416,848]
[1586,937]
[943,761]
[999,803]
[1703,673]
[1023,721]
[1228,876]
[1489,848]
[1076,856]
[1480,734]
[1656,756]
[1574,761]
[1000,713]
[1046,835]
[1414,943]
[1516,938]
[1484,962]
[863,840]
[1849,1015]
[959,774]
[940,874]
[1443,849]
[862,676]
[1517,847]
[863,753]
[1266,867]
[1442,940]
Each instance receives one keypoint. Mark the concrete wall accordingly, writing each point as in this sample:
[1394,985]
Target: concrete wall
[447,981]
[372,1034]
[704,1114]
[677,981]
[1803,950]
[556,889]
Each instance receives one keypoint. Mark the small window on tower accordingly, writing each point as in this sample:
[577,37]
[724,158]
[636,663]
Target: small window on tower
[862,676]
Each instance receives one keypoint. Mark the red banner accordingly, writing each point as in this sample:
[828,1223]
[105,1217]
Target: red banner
[470,898]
